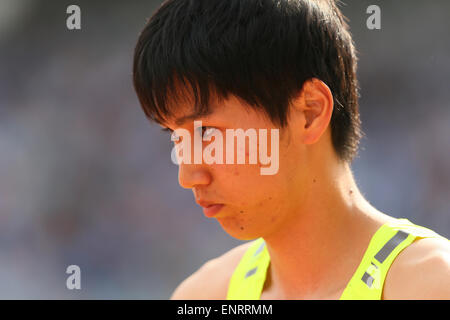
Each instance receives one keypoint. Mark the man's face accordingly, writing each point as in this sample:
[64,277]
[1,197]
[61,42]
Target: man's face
[254,204]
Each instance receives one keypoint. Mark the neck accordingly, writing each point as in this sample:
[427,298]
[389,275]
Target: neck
[317,249]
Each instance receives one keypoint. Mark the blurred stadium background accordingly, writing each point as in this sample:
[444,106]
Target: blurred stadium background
[86,180]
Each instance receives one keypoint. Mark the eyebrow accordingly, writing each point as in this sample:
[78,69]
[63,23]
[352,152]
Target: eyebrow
[181,120]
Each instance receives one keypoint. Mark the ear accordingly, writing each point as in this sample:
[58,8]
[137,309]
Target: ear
[315,106]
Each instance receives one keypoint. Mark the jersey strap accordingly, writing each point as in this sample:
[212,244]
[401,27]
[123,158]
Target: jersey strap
[249,276]
[386,244]
[367,282]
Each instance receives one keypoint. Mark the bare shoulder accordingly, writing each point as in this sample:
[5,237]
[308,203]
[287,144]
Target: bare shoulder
[210,281]
[420,271]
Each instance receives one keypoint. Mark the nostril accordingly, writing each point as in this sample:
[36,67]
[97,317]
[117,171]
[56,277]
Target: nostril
[190,176]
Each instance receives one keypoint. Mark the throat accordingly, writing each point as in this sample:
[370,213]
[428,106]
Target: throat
[270,292]
[330,283]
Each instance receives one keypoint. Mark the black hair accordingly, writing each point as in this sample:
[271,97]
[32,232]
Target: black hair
[261,51]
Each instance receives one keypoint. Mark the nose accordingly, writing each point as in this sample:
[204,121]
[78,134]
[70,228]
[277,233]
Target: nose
[191,175]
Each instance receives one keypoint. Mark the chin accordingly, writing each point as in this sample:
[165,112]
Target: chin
[237,230]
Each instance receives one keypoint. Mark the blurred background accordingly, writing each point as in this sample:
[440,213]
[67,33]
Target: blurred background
[85,179]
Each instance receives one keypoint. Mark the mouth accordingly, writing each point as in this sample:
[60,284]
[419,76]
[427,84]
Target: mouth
[210,209]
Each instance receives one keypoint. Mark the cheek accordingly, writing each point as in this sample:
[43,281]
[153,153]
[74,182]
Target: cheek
[243,185]
[250,190]
[250,222]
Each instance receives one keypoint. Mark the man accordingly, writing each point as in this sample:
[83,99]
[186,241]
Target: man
[287,65]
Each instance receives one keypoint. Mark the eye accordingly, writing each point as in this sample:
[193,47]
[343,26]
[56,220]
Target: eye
[206,131]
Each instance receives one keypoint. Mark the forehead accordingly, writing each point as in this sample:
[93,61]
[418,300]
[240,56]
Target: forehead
[184,110]
[228,112]
[229,109]
[181,104]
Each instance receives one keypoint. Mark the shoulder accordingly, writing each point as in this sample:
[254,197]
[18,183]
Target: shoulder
[420,271]
[210,281]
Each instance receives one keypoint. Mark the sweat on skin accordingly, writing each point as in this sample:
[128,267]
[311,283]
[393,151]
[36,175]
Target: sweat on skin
[213,153]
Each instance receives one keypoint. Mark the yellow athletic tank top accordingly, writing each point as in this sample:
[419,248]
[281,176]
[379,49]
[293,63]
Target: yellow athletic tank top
[367,282]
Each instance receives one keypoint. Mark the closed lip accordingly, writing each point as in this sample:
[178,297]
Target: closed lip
[206,204]
[210,209]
